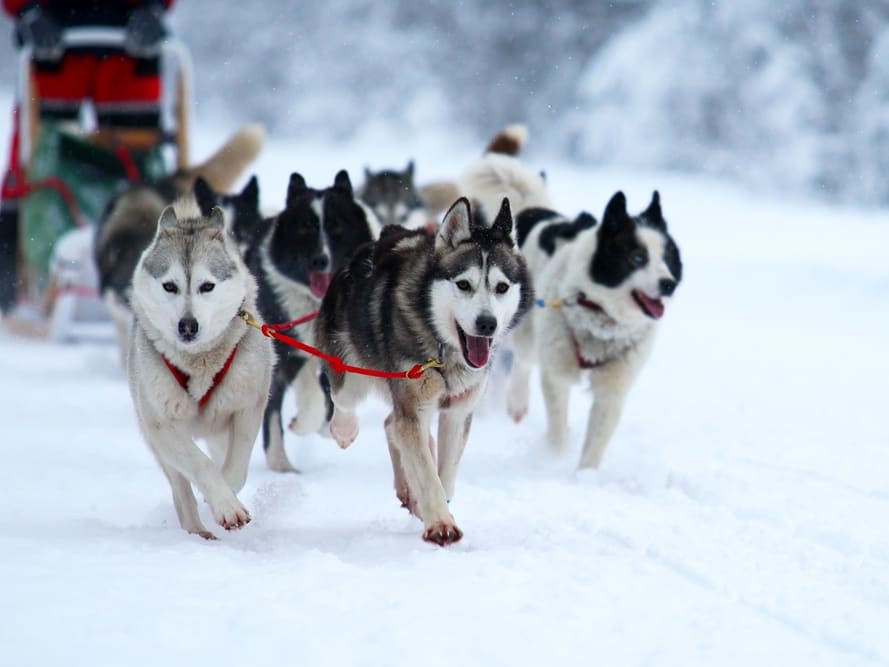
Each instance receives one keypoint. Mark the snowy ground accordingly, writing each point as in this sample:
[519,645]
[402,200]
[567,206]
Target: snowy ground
[739,517]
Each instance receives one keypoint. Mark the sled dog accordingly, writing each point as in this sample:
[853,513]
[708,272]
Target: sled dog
[412,296]
[195,369]
[393,197]
[602,287]
[130,219]
[241,210]
[294,259]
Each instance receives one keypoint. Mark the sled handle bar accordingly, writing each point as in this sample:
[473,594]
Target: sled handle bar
[171,49]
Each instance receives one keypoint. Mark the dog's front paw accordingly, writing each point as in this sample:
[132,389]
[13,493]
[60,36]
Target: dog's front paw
[442,533]
[231,515]
[344,428]
[279,462]
[517,411]
[206,534]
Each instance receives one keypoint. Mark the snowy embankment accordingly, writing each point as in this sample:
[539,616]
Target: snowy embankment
[739,516]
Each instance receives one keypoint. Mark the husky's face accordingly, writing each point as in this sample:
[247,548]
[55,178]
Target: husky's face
[635,267]
[480,288]
[393,197]
[241,211]
[317,232]
[189,283]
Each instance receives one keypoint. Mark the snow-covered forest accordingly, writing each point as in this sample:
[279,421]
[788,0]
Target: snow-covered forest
[792,94]
[787,95]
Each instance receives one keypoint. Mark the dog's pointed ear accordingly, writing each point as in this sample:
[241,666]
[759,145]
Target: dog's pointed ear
[204,195]
[216,219]
[653,215]
[503,222]
[342,181]
[295,188]
[168,219]
[250,193]
[366,173]
[616,215]
[455,227]
[409,170]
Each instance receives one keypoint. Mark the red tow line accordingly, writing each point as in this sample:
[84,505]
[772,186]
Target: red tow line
[337,365]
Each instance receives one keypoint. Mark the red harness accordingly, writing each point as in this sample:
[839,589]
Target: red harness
[182,377]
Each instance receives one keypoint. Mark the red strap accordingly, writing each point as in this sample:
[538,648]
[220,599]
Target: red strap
[284,326]
[586,303]
[129,165]
[182,377]
[337,365]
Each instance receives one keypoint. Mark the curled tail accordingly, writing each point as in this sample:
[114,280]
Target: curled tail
[222,169]
[509,140]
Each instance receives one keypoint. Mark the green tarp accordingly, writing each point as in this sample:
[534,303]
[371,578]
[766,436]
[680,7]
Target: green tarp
[92,174]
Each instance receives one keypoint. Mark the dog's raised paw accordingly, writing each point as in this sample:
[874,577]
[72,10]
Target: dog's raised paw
[442,533]
[517,413]
[344,428]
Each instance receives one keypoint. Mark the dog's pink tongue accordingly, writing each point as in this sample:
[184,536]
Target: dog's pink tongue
[655,307]
[319,281]
[478,349]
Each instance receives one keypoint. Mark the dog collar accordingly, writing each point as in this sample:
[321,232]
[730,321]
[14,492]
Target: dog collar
[182,377]
[586,303]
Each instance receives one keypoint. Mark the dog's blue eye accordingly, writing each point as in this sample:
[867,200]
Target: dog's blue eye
[501,288]
[463,285]
[170,287]
[206,287]
[638,259]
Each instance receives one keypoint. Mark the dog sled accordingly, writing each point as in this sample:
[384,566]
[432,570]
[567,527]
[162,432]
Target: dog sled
[61,177]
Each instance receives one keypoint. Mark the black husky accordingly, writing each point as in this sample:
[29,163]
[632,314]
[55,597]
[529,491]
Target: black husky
[293,260]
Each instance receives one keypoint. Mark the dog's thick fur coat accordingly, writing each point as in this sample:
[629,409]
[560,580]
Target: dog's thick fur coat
[613,278]
[188,288]
[410,297]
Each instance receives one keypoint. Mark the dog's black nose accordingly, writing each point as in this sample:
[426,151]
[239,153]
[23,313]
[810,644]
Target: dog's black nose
[188,328]
[320,262]
[668,286]
[485,325]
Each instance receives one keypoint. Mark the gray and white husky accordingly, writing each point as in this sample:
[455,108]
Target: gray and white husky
[412,296]
[195,369]
[394,198]
[613,280]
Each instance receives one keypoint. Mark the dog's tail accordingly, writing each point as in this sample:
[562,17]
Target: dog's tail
[509,140]
[498,174]
[222,169]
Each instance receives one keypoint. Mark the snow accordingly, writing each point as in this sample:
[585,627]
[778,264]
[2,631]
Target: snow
[739,516]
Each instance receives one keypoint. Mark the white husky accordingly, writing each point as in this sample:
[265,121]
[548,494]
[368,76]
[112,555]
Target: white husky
[195,369]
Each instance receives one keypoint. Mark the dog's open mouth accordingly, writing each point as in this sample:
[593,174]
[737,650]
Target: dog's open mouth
[654,308]
[319,281]
[476,349]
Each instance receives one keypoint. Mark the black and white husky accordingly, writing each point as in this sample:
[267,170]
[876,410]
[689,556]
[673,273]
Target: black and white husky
[603,288]
[293,260]
[195,369]
[410,297]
